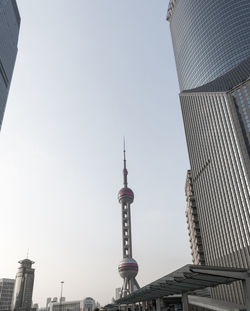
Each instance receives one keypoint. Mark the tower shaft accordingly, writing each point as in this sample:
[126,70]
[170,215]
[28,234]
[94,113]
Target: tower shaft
[126,231]
[128,267]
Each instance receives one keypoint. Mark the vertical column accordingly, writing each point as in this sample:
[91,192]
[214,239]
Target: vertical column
[125,228]
[129,232]
[143,306]
[158,304]
[246,289]
[184,302]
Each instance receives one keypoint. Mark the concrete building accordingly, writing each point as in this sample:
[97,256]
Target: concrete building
[76,305]
[22,296]
[6,293]
[9,31]
[118,291]
[87,304]
[193,223]
[128,267]
[213,65]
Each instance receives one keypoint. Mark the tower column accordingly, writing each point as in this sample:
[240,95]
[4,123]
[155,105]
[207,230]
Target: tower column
[158,304]
[128,267]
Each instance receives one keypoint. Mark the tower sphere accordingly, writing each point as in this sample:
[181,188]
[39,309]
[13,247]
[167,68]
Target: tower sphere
[128,268]
[126,195]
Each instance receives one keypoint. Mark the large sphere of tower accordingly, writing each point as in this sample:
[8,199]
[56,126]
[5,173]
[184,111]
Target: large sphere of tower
[128,268]
[126,195]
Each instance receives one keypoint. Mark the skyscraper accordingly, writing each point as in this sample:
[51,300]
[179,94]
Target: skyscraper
[22,297]
[209,38]
[128,267]
[212,52]
[6,293]
[9,31]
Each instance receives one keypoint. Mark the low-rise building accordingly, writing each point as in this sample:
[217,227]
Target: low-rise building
[6,293]
[87,304]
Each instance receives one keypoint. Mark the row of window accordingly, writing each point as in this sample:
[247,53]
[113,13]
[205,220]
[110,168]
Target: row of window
[222,191]
[201,145]
[244,105]
[209,39]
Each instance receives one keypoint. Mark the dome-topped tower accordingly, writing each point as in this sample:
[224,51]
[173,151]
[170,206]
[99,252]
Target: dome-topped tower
[128,267]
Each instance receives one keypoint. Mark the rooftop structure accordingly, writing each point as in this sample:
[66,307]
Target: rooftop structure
[188,279]
[171,7]
[87,304]
[22,296]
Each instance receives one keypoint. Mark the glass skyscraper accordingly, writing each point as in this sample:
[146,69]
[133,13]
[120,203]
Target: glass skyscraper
[209,38]
[211,42]
[9,31]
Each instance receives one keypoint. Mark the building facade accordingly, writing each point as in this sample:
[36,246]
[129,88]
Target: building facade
[218,136]
[9,31]
[6,293]
[193,223]
[209,38]
[87,304]
[213,65]
[23,290]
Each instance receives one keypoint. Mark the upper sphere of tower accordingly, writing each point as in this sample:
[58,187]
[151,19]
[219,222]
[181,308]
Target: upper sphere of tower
[126,195]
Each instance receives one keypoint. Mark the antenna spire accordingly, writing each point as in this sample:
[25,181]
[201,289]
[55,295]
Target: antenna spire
[125,171]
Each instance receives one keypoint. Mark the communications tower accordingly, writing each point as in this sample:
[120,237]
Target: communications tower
[128,267]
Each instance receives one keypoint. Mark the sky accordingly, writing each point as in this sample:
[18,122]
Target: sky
[89,72]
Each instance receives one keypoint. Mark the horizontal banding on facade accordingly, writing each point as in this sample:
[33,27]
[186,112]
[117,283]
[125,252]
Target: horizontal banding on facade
[128,266]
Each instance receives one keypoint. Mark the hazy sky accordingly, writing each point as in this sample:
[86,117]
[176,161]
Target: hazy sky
[87,73]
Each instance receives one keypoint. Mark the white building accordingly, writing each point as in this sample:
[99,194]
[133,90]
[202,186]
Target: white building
[87,304]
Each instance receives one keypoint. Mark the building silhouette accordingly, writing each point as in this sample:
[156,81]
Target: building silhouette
[6,293]
[128,267]
[212,52]
[9,31]
[22,297]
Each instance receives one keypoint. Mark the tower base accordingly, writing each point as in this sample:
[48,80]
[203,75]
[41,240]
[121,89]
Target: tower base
[128,287]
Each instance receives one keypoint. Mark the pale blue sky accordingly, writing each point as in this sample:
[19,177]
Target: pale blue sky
[87,73]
